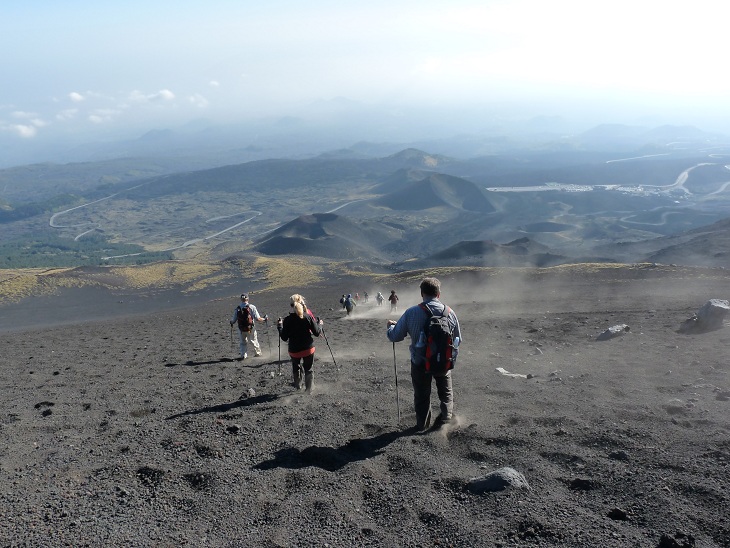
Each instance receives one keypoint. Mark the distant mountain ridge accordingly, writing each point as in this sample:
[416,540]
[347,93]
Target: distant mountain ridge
[331,236]
[412,205]
[434,190]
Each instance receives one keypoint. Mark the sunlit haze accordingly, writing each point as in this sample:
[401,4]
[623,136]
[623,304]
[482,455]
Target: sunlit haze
[79,69]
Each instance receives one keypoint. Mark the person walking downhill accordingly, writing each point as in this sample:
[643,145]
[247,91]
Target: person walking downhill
[413,322]
[246,315]
[298,329]
[393,301]
[350,304]
[379,297]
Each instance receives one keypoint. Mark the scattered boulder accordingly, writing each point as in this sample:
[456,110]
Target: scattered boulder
[613,331]
[618,455]
[515,375]
[498,480]
[708,318]
[679,540]
[582,484]
[618,514]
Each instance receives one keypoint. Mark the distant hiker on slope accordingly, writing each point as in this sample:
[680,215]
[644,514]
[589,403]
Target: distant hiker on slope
[342,300]
[350,304]
[246,315]
[365,296]
[379,297]
[393,301]
[418,322]
[297,329]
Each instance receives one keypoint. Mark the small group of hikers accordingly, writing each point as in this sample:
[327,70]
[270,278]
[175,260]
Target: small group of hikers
[349,302]
[297,329]
[433,328]
[392,299]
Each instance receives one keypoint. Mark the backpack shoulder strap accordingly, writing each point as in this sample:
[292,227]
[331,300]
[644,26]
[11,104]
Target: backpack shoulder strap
[428,310]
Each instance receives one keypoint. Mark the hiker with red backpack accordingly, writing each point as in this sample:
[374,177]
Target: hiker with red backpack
[435,338]
[246,315]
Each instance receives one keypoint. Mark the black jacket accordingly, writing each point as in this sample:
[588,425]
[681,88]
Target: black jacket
[298,331]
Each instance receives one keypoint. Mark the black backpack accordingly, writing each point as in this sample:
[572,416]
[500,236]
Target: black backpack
[439,342]
[245,318]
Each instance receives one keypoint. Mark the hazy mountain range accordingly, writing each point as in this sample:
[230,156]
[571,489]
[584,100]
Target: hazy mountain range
[614,193]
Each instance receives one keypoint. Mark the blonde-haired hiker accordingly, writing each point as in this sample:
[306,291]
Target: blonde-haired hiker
[299,329]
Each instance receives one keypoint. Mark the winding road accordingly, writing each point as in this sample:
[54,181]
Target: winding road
[679,184]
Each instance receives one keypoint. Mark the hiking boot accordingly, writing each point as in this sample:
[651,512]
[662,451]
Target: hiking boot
[426,423]
[308,380]
[258,354]
[446,417]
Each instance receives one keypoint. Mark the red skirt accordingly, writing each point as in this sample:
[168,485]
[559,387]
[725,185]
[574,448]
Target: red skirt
[302,353]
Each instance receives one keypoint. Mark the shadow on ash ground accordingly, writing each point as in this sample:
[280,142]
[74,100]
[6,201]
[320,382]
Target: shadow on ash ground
[144,431]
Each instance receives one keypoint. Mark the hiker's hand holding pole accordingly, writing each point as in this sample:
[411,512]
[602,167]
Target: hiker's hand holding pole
[391,322]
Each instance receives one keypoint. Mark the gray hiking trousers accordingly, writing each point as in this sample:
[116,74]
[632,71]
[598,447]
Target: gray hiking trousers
[422,393]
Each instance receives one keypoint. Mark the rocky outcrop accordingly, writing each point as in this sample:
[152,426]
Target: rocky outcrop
[708,318]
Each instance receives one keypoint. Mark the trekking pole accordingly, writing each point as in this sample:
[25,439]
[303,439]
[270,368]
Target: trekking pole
[397,395]
[328,346]
[278,336]
[268,334]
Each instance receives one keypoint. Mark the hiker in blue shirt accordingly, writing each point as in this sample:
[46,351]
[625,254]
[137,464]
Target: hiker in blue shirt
[349,304]
[413,322]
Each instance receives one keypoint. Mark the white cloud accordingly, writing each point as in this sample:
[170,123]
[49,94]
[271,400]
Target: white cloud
[198,101]
[24,130]
[23,115]
[29,128]
[76,97]
[101,116]
[67,114]
[214,83]
[137,96]
[163,95]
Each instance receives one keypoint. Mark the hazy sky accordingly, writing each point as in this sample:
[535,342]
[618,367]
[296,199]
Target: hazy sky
[79,65]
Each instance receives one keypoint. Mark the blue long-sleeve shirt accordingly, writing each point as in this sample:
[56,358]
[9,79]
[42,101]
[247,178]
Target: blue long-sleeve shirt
[412,323]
